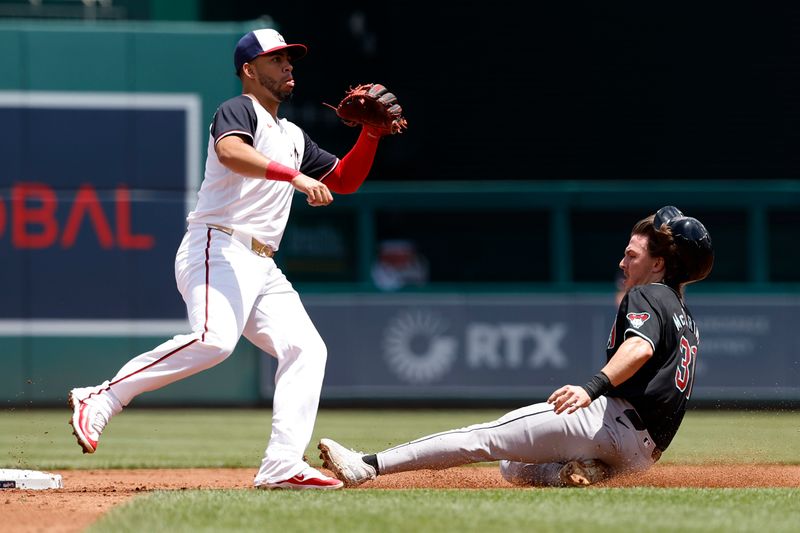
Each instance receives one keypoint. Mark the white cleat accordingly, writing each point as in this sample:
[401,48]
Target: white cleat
[346,464]
[88,419]
[310,478]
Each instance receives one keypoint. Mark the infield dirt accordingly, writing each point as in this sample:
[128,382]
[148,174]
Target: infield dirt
[87,494]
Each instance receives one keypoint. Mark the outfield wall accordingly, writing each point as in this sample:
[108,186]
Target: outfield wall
[103,145]
[422,347]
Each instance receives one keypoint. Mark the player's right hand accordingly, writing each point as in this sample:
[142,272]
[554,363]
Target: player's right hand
[569,398]
[317,193]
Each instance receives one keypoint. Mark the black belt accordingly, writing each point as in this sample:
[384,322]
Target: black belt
[638,425]
[636,420]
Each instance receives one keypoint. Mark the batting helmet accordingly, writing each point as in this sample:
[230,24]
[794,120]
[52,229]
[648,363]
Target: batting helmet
[694,250]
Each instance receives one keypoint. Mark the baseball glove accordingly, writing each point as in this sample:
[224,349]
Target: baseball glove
[371,105]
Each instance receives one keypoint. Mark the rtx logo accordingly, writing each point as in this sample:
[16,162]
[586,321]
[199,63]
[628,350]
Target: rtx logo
[420,347]
[515,345]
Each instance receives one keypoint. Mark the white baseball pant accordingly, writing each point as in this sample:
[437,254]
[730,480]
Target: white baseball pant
[230,291]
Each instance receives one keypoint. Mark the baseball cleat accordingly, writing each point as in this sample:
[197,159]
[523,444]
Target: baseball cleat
[580,473]
[88,420]
[310,478]
[346,464]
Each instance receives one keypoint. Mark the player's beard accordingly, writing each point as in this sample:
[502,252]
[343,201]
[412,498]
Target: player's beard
[274,87]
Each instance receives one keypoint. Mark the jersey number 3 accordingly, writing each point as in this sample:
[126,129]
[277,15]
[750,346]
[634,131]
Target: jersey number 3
[685,372]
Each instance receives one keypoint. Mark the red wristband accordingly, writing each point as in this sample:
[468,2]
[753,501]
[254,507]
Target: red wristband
[278,172]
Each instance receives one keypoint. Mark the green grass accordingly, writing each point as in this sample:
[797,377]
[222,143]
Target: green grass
[143,438]
[737,437]
[556,510]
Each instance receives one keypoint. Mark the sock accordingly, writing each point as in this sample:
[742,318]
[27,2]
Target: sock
[116,405]
[371,460]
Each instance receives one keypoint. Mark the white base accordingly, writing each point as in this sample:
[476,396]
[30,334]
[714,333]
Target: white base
[29,480]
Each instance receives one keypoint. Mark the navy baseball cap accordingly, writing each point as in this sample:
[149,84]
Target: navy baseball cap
[260,42]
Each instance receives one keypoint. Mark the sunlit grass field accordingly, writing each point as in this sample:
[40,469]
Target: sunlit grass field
[146,438]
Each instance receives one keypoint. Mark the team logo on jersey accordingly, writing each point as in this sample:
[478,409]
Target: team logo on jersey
[637,319]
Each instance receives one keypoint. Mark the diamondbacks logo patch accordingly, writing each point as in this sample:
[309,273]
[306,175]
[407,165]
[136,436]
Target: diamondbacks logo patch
[637,319]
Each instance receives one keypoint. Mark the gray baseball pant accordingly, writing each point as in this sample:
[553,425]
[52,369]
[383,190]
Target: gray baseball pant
[532,443]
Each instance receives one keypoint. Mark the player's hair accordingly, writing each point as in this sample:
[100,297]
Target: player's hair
[660,243]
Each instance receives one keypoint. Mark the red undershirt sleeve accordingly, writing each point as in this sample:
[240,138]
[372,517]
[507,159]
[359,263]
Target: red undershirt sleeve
[352,170]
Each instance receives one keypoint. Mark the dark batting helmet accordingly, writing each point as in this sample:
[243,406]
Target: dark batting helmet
[693,247]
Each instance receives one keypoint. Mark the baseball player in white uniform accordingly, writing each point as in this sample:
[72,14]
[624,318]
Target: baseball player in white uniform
[622,419]
[224,267]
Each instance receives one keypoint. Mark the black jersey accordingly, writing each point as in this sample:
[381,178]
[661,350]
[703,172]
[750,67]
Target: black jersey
[661,388]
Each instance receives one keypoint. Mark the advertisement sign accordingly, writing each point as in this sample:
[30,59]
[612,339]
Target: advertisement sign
[94,192]
[474,346]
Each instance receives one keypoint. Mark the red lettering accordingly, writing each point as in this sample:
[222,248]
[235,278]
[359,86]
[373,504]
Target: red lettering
[33,224]
[2,216]
[87,203]
[42,215]
[684,374]
[125,239]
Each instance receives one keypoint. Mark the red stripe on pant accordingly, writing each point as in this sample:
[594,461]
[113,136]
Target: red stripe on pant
[173,352]
[205,326]
[208,276]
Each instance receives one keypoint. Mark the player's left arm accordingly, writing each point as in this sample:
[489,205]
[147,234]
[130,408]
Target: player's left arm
[352,170]
[343,176]
[626,361]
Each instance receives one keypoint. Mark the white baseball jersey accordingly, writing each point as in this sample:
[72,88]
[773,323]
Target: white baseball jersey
[257,207]
[231,291]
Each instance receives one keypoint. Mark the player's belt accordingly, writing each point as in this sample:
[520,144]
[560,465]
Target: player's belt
[639,425]
[636,420]
[258,247]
